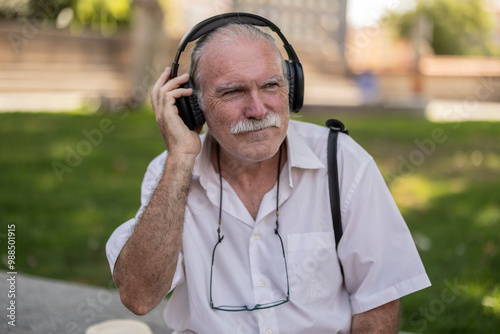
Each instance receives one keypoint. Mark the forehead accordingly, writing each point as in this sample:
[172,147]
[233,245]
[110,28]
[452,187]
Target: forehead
[240,59]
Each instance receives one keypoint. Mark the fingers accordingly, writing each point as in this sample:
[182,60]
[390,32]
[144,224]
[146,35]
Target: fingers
[166,90]
[167,96]
[158,84]
[162,79]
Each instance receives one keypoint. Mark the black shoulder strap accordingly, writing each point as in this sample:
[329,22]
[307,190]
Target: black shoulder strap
[335,126]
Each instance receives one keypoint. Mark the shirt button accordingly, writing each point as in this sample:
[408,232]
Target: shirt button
[261,283]
[269,331]
[256,235]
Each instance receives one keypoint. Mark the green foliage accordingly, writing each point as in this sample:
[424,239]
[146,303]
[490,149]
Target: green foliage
[101,15]
[449,199]
[41,10]
[463,27]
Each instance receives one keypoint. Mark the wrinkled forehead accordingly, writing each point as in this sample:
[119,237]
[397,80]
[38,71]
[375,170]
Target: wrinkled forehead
[234,34]
[241,59]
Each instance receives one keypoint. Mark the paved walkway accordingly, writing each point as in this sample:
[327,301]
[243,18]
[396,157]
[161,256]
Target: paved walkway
[47,306]
[462,110]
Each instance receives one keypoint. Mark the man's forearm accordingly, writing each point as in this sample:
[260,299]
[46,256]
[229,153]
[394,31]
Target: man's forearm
[146,265]
[383,319]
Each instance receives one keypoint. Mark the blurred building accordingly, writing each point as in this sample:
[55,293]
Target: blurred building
[45,67]
[405,75]
[49,69]
[57,68]
[316,28]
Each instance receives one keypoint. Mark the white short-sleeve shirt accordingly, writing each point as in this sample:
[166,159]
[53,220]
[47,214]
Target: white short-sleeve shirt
[379,258]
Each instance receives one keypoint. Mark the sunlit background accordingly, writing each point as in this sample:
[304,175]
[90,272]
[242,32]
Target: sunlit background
[392,52]
[416,81]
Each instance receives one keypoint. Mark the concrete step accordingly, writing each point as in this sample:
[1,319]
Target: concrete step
[54,66]
[58,86]
[50,101]
[322,89]
[67,86]
[40,82]
[40,77]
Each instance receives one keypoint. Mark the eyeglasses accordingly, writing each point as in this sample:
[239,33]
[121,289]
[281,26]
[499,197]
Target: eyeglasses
[220,238]
[245,307]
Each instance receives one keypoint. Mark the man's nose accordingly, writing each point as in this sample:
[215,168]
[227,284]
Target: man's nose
[254,107]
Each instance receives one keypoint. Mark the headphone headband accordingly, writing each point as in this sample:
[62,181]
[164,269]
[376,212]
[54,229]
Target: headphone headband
[215,22]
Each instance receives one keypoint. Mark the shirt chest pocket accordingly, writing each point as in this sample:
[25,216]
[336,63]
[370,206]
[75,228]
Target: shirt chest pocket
[313,267]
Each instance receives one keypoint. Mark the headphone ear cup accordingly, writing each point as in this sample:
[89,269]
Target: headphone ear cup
[295,75]
[298,97]
[197,113]
[290,73]
[189,110]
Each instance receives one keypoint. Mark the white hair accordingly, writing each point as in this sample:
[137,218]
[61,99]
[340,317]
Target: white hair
[231,33]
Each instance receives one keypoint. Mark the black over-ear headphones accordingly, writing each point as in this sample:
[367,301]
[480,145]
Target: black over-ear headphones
[188,107]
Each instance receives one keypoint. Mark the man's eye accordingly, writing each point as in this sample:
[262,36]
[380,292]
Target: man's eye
[272,85]
[231,92]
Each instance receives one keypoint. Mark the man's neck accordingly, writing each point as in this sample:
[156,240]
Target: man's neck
[250,180]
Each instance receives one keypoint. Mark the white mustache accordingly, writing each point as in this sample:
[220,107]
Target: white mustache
[248,125]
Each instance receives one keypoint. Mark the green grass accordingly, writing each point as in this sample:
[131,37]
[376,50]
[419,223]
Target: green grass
[444,177]
[63,219]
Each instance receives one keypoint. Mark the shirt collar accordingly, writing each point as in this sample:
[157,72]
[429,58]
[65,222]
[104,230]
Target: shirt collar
[203,168]
[299,153]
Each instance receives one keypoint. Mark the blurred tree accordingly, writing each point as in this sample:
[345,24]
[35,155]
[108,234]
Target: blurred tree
[460,27]
[101,15]
[12,9]
[147,39]
[46,9]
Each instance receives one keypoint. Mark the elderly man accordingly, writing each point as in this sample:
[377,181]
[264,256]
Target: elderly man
[237,223]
